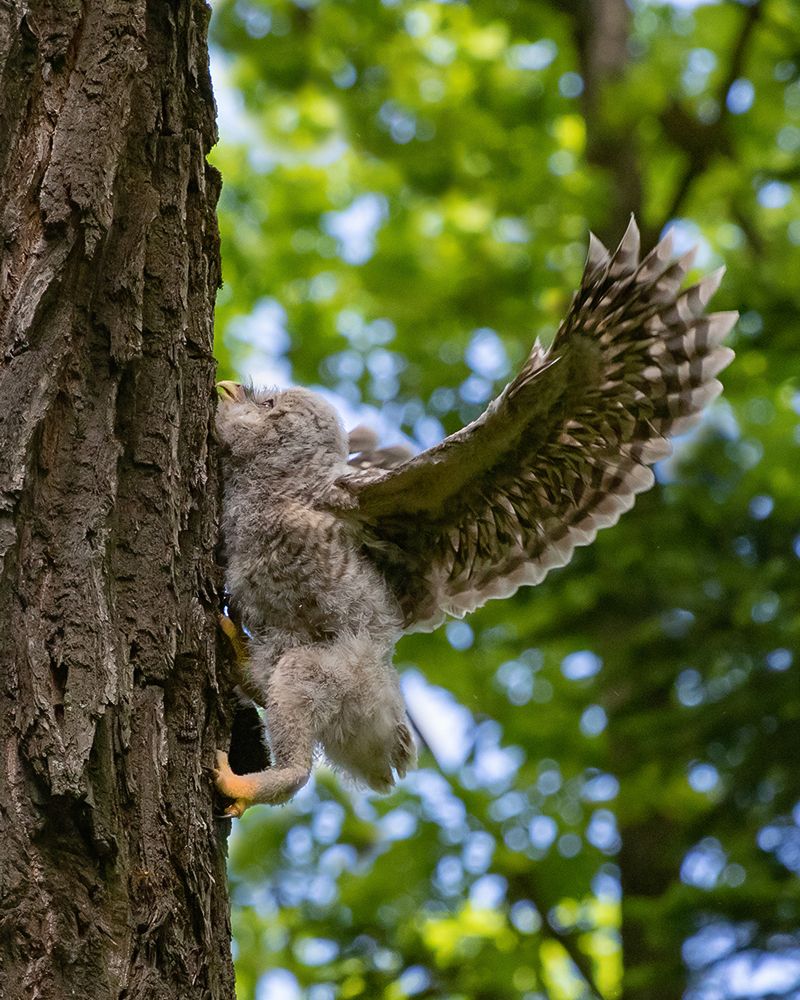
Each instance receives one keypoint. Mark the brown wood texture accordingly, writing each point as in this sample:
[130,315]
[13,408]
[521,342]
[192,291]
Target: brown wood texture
[112,874]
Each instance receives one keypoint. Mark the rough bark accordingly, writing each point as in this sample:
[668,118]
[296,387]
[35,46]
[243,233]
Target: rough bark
[112,880]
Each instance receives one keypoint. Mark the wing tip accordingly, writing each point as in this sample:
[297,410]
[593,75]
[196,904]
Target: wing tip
[626,256]
[597,255]
[707,286]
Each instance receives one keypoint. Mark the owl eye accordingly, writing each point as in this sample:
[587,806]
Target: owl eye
[268,403]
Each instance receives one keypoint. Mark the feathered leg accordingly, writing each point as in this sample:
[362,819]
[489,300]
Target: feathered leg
[344,696]
[289,692]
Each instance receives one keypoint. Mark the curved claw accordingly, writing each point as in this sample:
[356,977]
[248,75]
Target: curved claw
[234,811]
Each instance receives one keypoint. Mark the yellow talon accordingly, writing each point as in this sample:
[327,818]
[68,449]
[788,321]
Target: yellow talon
[232,786]
[234,638]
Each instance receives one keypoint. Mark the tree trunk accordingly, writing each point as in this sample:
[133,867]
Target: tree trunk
[112,876]
[601,32]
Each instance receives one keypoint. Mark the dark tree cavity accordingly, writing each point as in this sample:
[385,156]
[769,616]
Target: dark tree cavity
[112,878]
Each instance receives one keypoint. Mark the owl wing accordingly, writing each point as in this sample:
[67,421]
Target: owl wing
[561,452]
[364,452]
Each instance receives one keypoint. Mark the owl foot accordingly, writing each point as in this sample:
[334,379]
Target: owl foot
[273,786]
[231,786]
[235,638]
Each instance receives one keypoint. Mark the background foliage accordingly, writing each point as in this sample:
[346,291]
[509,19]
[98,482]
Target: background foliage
[608,802]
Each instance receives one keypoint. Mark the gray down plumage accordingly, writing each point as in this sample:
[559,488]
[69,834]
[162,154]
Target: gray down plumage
[330,561]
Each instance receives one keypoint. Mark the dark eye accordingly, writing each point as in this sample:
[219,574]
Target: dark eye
[268,403]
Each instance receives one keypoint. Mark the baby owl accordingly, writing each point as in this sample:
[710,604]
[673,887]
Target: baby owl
[335,549]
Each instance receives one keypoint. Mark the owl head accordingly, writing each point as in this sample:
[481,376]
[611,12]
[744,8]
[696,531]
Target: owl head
[279,427]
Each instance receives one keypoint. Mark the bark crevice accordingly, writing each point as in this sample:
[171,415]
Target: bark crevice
[113,879]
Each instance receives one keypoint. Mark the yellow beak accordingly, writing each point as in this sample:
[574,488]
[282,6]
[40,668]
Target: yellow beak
[230,392]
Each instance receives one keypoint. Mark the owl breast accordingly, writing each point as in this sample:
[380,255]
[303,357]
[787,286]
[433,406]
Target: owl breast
[301,578]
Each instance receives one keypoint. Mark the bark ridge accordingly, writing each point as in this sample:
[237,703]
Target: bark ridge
[112,881]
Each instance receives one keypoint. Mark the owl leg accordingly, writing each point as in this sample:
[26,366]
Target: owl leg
[274,786]
[291,737]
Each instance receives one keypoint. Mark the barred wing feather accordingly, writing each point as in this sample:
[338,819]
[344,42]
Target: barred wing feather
[561,452]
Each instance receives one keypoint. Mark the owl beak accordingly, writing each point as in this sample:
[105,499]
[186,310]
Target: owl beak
[230,392]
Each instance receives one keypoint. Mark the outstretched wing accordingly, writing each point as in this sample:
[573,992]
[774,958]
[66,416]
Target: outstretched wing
[561,452]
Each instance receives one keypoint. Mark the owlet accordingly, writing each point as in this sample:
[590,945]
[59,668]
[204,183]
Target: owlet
[335,549]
